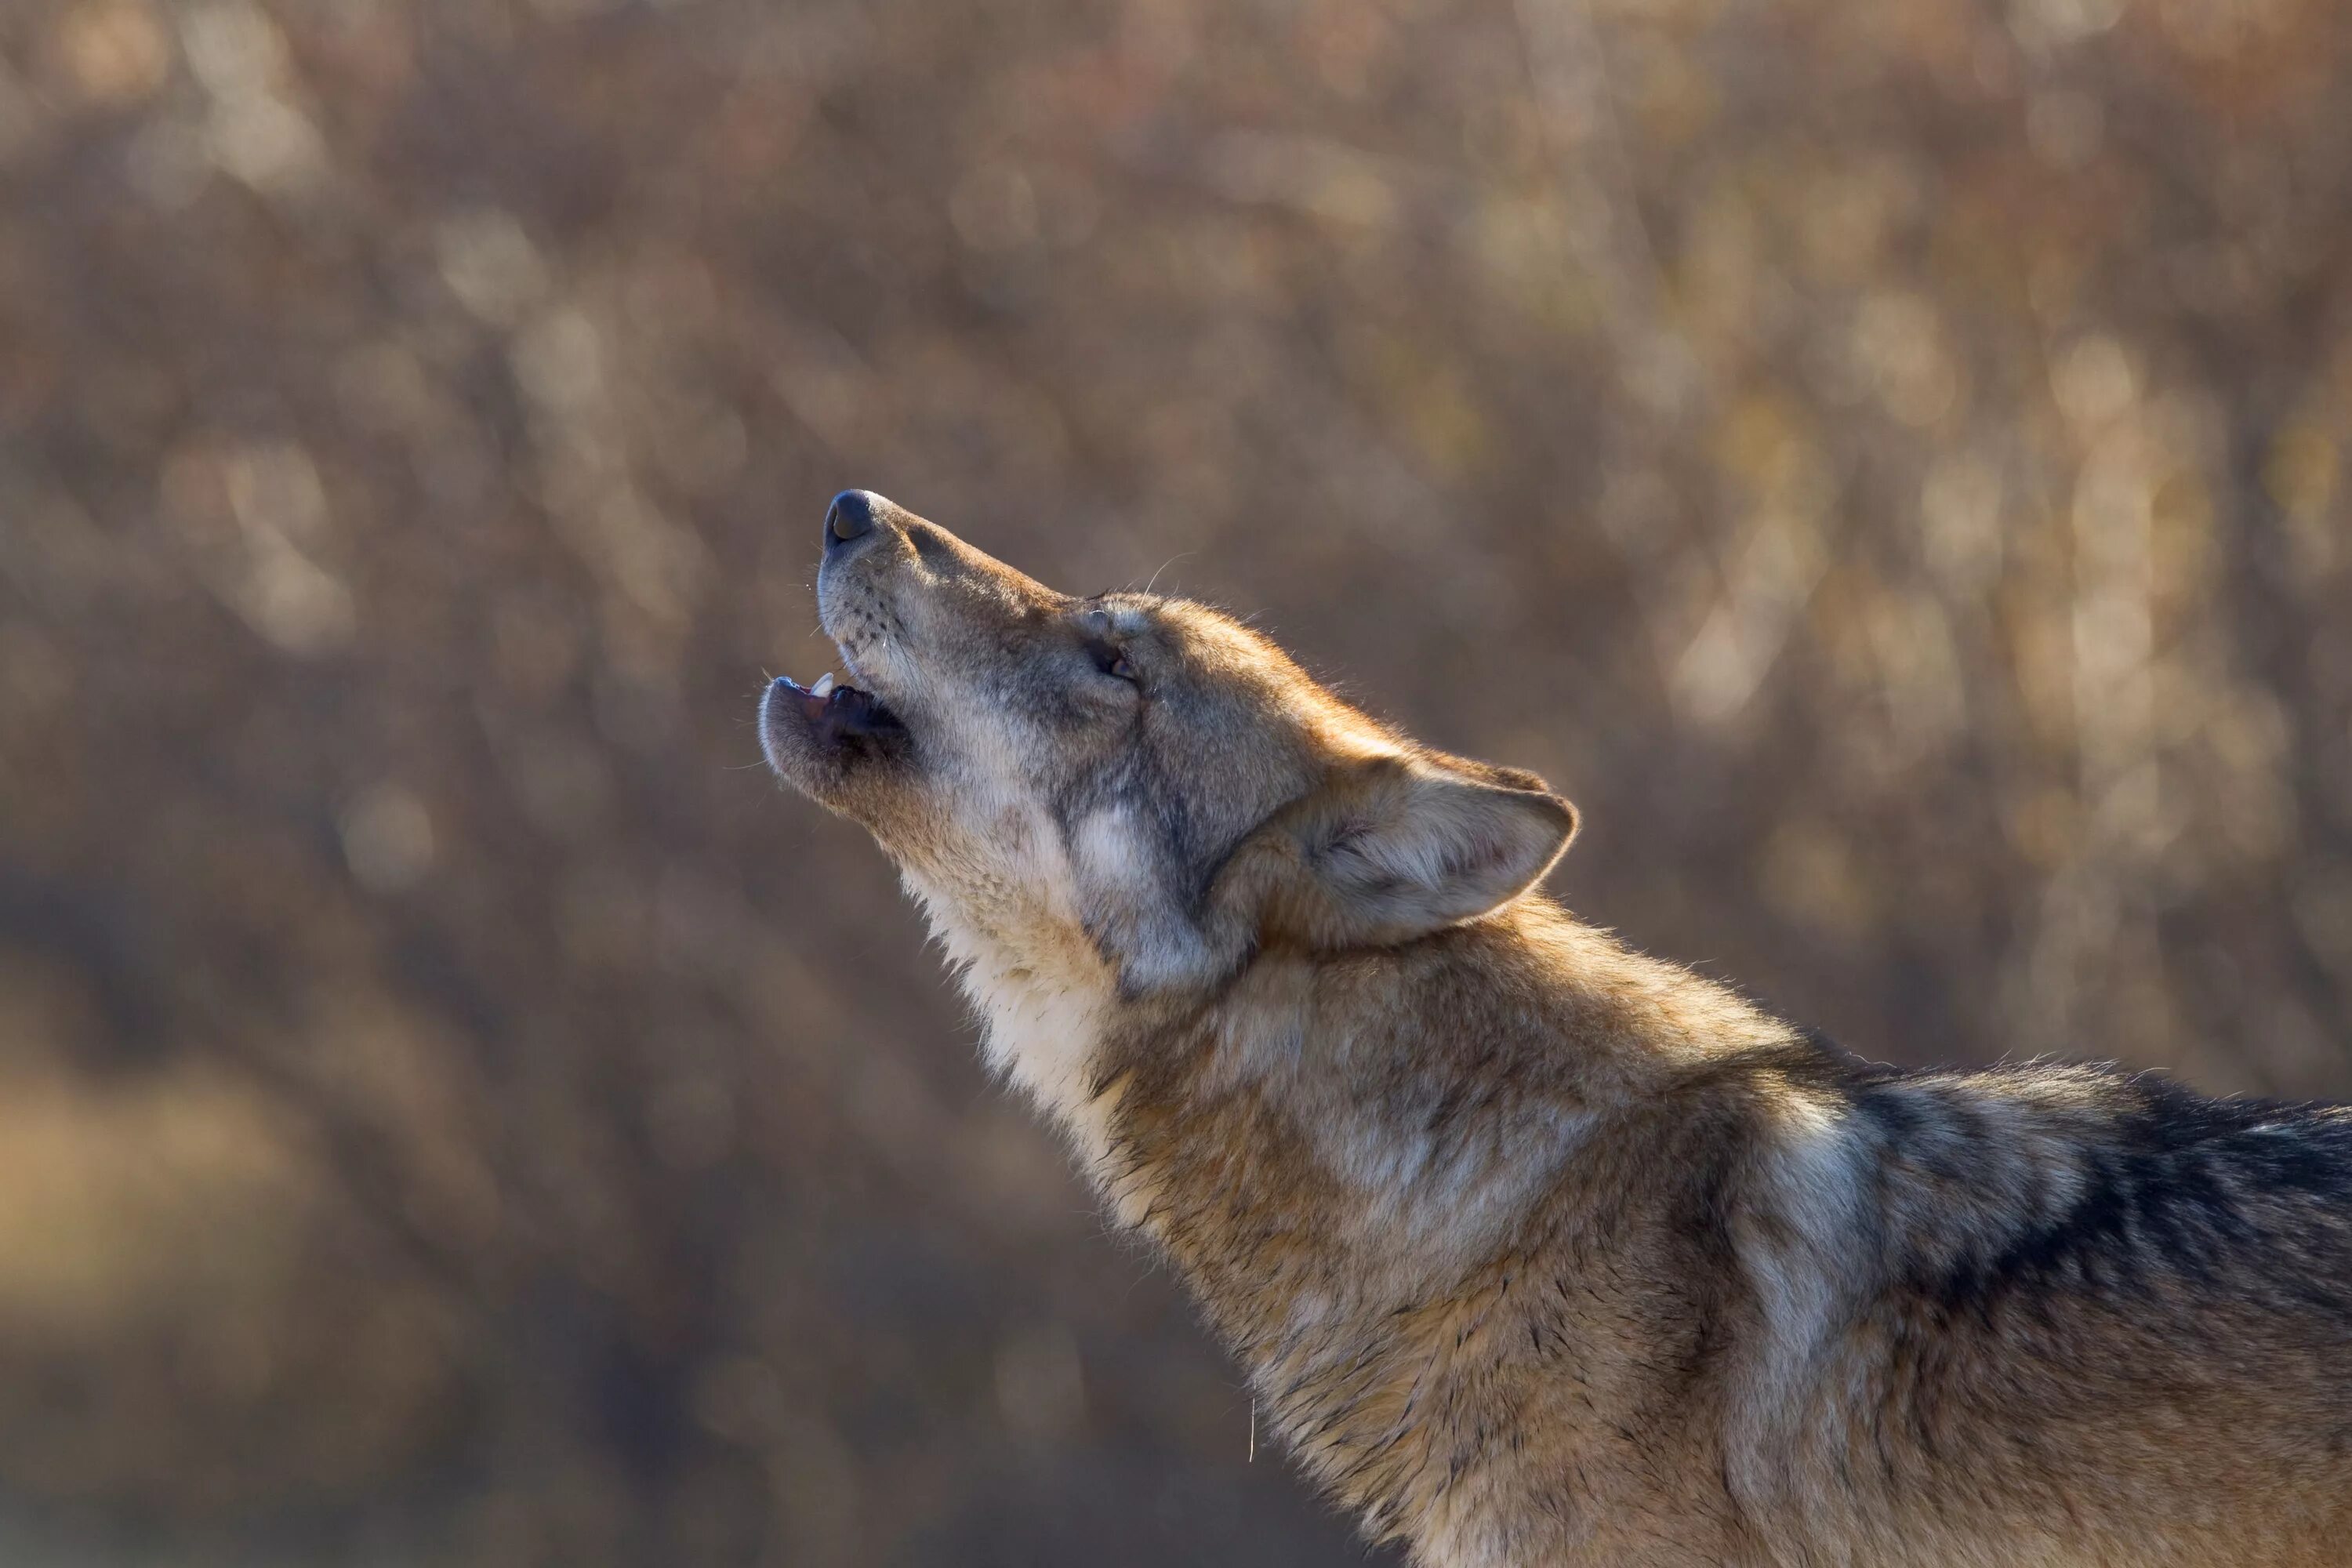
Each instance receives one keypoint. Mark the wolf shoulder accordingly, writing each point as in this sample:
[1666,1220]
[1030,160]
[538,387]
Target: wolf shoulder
[2087,1239]
[1977,1188]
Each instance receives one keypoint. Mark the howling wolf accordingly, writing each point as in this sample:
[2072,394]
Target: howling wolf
[1539,1251]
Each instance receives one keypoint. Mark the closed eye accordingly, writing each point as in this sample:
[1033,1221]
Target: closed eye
[1112,661]
[1108,656]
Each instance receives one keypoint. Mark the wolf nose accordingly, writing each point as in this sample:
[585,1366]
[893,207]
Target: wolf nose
[851,515]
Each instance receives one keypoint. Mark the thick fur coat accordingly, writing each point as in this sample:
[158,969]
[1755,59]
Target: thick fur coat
[1538,1250]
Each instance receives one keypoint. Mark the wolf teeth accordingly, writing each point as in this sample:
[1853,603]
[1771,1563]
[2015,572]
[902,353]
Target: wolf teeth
[824,686]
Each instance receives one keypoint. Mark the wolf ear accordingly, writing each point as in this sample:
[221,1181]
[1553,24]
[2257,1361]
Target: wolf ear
[1394,848]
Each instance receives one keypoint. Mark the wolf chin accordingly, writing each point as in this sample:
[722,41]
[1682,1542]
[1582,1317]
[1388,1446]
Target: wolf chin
[1538,1251]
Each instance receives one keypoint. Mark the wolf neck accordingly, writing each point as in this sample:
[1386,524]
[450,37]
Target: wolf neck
[1342,1060]
[1405,1108]
[1045,996]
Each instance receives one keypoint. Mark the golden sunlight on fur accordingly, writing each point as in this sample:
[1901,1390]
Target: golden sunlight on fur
[1538,1251]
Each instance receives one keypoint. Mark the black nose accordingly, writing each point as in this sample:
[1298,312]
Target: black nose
[851,515]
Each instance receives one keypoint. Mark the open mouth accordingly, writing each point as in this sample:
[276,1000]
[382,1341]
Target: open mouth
[838,714]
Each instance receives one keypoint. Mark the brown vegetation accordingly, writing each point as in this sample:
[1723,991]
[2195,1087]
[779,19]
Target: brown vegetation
[1885,462]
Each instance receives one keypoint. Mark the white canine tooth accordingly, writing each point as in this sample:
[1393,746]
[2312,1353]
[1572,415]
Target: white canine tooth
[824,686]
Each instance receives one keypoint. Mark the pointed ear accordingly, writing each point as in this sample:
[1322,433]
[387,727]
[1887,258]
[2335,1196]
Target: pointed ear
[1394,848]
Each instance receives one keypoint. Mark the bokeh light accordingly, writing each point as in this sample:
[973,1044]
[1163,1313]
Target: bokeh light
[1886,462]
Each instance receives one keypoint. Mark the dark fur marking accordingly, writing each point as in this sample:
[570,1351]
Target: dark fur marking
[2168,1198]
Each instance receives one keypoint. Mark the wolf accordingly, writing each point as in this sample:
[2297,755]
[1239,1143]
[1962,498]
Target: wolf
[1538,1251]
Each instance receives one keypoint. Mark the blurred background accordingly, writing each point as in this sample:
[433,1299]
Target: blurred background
[1885,461]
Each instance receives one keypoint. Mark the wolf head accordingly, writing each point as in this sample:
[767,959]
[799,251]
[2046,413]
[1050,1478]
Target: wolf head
[1142,779]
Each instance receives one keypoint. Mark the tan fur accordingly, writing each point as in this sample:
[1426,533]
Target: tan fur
[1538,1251]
